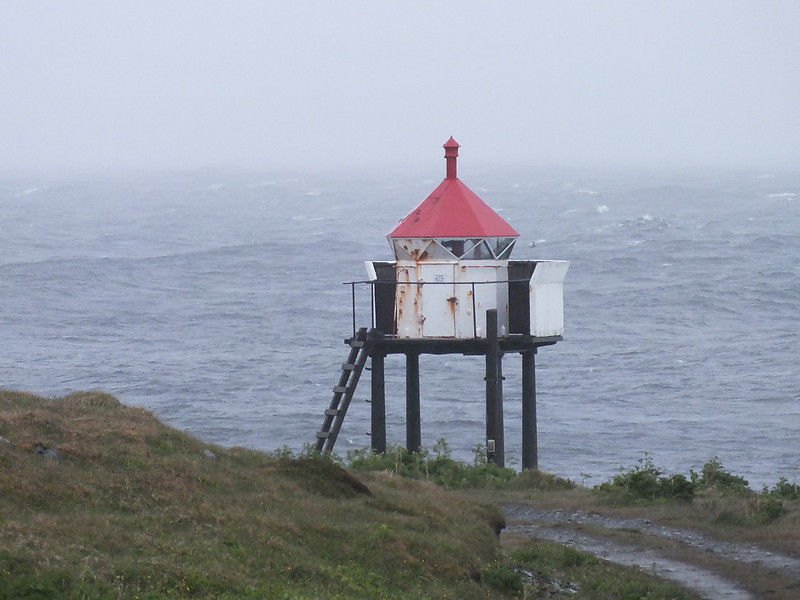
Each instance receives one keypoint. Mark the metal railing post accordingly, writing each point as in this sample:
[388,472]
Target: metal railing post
[372,301]
[474,315]
[353,293]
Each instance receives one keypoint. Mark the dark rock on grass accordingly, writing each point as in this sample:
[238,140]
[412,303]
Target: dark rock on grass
[45,451]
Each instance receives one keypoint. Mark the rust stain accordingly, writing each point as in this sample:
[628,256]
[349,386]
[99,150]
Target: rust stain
[452,301]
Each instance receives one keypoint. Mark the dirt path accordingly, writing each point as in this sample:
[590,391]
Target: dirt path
[715,569]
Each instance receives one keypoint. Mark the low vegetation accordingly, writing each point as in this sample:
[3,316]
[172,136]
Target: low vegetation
[440,468]
[102,501]
[646,484]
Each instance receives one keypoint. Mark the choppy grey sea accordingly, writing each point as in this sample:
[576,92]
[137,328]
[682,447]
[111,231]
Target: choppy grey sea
[215,299]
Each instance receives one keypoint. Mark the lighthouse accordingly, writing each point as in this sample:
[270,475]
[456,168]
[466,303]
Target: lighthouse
[452,264]
[452,288]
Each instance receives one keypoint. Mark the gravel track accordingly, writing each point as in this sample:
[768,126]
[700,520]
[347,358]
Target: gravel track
[600,535]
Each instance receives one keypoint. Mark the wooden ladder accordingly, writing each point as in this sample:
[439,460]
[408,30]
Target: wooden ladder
[343,392]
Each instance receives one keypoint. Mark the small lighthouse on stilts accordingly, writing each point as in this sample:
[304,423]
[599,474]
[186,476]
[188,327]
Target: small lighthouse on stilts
[452,289]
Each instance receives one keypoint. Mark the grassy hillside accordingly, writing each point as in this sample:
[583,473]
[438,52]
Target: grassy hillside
[131,508]
[101,501]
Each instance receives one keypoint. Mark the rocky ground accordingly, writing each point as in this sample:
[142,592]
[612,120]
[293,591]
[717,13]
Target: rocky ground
[716,569]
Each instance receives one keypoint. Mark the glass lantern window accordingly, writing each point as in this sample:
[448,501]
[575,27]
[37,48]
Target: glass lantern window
[478,249]
[438,251]
[454,246]
[501,247]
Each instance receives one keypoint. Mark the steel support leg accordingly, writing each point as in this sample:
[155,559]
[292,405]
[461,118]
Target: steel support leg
[413,417]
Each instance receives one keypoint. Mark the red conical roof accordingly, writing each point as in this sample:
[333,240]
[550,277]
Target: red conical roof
[453,211]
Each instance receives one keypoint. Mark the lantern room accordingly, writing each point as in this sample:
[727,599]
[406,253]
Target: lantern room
[452,264]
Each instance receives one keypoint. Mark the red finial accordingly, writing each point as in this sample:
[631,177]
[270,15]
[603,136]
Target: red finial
[450,155]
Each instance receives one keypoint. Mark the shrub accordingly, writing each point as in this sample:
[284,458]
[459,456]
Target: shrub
[784,490]
[766,511]
[502,578]
[644,483]
[439,468]
[761,511]
[677,487]
[713,475]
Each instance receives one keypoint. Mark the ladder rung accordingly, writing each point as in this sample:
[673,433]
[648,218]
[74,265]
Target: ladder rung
[339,389]
[323,434]
[331,412]
[356,344]
[348,367]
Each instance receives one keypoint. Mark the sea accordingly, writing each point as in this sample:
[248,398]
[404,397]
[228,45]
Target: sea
[216,300]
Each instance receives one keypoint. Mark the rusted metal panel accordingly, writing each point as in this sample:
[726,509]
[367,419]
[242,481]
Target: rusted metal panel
[438,302]
[450,299]
[407,301]
[423,300]
[411,249]
[477,292]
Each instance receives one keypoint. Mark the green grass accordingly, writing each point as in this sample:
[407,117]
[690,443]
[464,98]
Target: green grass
[133,509]
[555,567]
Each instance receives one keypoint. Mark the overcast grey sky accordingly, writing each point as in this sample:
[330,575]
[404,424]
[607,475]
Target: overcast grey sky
[195,83]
